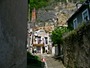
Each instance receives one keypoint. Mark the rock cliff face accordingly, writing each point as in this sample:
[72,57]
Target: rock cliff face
[54,15]
[13,31]
[77,48]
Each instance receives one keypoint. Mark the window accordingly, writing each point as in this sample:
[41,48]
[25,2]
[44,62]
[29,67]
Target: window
[75,24]
[39,40]
[85,15]
[46,41]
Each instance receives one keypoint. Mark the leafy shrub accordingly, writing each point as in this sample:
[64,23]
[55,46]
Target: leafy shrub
[33,59]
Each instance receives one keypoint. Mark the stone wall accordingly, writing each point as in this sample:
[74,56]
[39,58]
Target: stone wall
[13,31]
[77,47]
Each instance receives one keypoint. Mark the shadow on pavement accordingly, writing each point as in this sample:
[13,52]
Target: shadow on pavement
[59,58]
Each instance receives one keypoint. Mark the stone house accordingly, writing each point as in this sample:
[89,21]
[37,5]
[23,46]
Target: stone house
[41,41]
[82,14]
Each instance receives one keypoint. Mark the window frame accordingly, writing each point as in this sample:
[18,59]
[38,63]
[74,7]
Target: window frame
[75,24]
[83,17]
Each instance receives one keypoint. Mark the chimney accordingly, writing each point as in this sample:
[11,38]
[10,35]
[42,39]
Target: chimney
[33,15]
[78,5]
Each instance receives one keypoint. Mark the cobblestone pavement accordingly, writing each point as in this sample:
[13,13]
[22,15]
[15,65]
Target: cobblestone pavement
[51,62]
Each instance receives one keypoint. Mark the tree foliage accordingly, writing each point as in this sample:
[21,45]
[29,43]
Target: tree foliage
[82,1]
[57,34]
[42,3]
[37,3]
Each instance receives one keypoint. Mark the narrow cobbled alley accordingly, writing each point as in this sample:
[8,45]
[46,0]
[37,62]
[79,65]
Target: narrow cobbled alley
[51,62]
